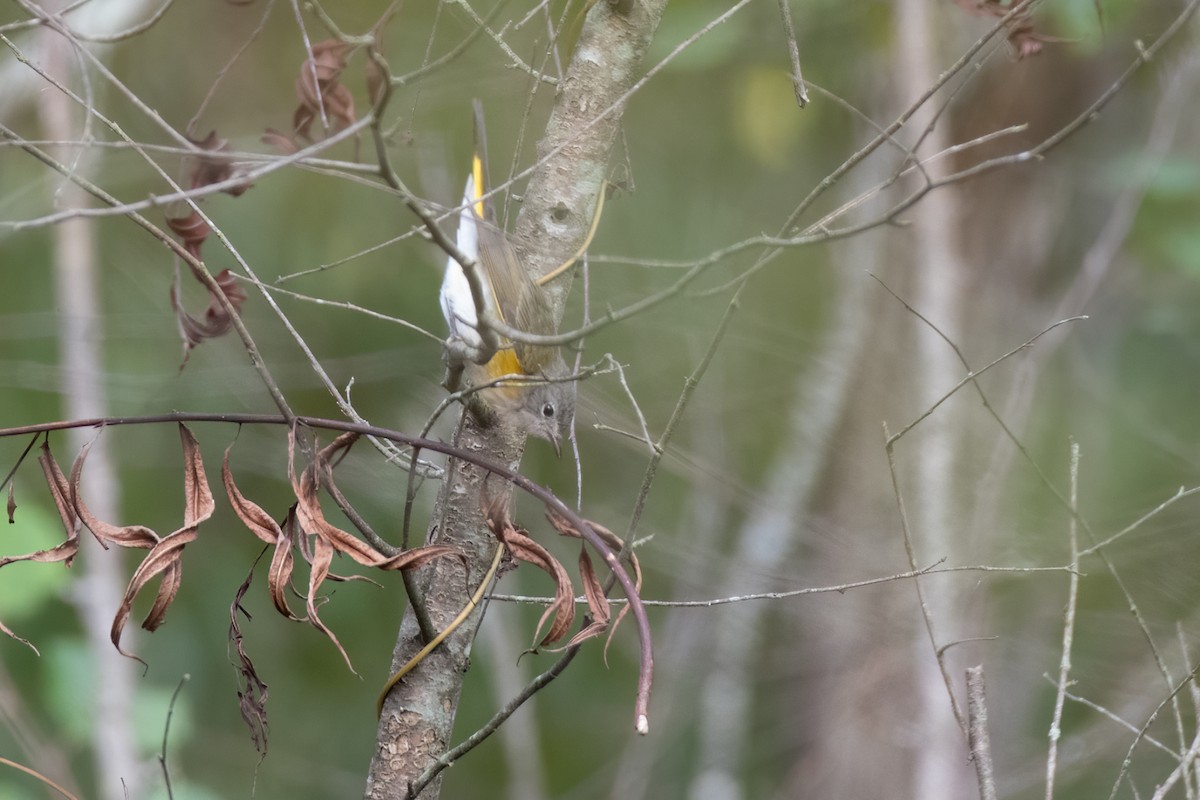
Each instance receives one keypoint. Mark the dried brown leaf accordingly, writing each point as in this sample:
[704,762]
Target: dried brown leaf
[252,694]
[60,491]
[322,558]
[320,92]
[327,539]
[252,515]
[593,589]
[283,143]
[216,321]
[523,548]
[419,556]
[12,501]
[123,535]
[308,508]
[279,576]
[198,497]
[264,526]
[1023,38]
[164,558]
[209,169]
[616,544]
[597,602]
[377,80]
[172,577]
[191,229]
[326,62]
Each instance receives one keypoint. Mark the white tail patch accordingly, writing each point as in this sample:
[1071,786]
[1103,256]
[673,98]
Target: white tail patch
[458,304]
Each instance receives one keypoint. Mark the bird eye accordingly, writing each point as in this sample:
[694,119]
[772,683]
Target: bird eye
[548,411]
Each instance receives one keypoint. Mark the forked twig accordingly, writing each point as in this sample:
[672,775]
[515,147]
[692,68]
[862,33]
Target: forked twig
[1064,664]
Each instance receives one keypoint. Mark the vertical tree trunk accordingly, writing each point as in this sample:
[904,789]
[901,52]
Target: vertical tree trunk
[939,764]
[99,590]
[418,716]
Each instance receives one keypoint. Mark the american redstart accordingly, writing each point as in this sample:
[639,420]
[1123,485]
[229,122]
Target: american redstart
[523,386]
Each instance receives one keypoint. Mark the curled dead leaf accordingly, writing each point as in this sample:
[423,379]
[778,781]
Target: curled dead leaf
[191,229]
[216,321]
[616,544]
[105,532]
[328,539]
[598,608]
[1023,38]
[377,81]
[212,168]
[279,576]
[282,143]
[164,559]
[264,526]
[308,507]
[60,490]
[252,692]
[523,548]
[322,558]
[320,91]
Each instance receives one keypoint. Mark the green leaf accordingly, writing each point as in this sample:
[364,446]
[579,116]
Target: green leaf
[25,587]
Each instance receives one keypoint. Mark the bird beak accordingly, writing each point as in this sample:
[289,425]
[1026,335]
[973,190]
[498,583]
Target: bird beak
[557,442]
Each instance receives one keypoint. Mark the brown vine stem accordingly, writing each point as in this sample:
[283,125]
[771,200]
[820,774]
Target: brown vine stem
[535,490]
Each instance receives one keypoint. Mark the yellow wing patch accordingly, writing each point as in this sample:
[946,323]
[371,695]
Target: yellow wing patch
[477,173]
[505,362]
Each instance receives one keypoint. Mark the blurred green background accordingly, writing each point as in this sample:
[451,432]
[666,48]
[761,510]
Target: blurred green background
[829,691]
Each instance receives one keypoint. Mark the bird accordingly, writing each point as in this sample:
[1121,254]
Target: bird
[525,387]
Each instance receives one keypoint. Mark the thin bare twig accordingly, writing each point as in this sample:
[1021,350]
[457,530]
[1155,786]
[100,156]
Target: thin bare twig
[498,38]
[428,66]
[162,756]
[233,59]
[789,31]
[660,446]
[637,409]
[53,24]
[1129,726]
[910,550]
[970,377]
[1142,731]
[39,776]
[980,742]
[311,63]
[840,588]
[129,32]
[1180,772]
[1180,494]
[1064,664]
